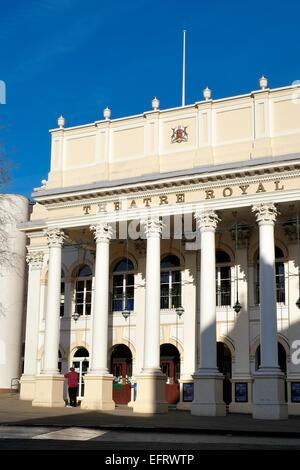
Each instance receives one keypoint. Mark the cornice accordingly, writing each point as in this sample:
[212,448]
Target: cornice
[145,183]
[185,187]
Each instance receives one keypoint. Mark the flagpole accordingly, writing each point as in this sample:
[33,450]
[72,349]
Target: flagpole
[183,69]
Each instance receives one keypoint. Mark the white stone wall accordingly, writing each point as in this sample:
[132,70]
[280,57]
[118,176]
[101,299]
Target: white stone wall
[13,209]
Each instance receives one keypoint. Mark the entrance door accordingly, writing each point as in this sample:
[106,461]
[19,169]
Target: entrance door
[224,366]
[121,369]
[170,366]
[81,365]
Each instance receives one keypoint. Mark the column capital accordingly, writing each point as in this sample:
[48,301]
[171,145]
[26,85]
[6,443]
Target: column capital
[152,227]
[35,259]
[102,232]
[265,213]
[207,221]
[55,237]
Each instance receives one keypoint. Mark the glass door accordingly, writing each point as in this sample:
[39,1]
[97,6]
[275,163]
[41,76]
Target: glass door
[81,366]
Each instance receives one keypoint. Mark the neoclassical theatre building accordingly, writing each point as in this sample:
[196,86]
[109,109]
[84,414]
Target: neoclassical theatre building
[163,260]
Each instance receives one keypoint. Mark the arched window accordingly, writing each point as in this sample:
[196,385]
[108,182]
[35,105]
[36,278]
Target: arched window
[223,279]
[123,286]
[170,282]
[83,291]
[62,294]
[279,276]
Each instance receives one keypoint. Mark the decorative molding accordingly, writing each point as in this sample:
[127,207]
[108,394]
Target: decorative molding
[291,229]
[55,237]
[152,227]
[103,232]
[207,220]
[265,213]
[35,259]
[190,183]
[140,247]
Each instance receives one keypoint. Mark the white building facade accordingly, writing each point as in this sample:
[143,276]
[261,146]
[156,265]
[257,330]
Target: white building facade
[14,209]
[164,261]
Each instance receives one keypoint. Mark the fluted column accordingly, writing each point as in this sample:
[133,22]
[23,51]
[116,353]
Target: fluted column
[151,382]
[268,391]
[49,384]
[98,382]
[208,394]
[35,263]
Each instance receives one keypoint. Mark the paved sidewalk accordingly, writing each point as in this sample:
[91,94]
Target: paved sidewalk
[16,412]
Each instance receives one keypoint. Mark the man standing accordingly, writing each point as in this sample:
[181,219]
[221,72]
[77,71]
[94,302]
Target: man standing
[72,377]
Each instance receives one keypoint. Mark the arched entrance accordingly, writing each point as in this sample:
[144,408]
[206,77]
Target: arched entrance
[224,365]
[281,362]
[121,369]
[170,366]
[81,365]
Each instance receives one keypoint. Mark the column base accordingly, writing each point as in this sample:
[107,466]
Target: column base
[98,392]
[150,397]
[27,387]
[208,393]
[184,405]
[49,391]
[268,395]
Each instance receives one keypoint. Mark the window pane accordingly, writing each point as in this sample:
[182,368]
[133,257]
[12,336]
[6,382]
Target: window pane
[164,302]
[164,277]
[130,292]
[176,295]
[88,309]
[130,304]
[170,262]
[85,271]
[88,297]
[62,299]
[79,297]
[176,275]
[80,285]
[130,279]
[79,309]
[225,272]
[88,285]
[223,286]
[117,305]
[118,292]
[124,265]
[62,310]
[280,282]
[118,280]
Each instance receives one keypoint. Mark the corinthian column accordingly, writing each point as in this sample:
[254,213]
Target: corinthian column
[208,382]
[98,382]
[35,263]
[268,390]
[49,385]
[151,381]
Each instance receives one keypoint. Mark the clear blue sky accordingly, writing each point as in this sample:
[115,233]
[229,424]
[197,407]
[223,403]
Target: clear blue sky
[76,57]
